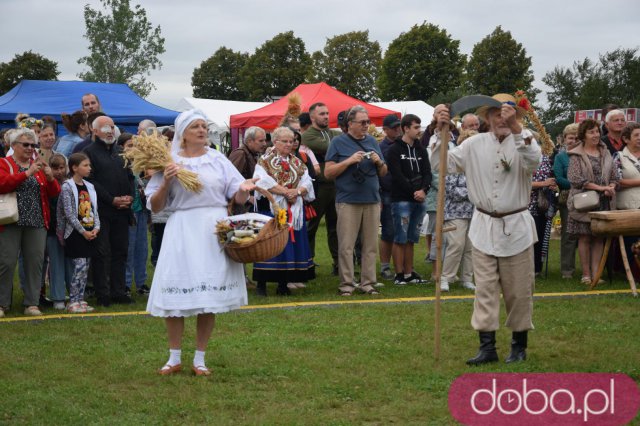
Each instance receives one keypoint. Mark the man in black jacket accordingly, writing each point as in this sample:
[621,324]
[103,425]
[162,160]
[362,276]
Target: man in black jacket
[114,186]
[410,171]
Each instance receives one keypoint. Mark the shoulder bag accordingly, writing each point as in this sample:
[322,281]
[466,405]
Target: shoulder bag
[8,204]
[586,201]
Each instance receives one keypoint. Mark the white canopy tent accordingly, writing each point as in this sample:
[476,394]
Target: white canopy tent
[419,108]
[218,112]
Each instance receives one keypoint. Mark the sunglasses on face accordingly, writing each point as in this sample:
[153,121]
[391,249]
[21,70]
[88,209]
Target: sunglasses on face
[27,145]
[362,122]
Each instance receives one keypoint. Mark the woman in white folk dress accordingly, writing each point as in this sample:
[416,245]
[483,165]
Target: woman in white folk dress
[193,275]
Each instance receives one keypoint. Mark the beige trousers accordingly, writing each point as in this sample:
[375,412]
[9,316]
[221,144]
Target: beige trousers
[514,277]
[351,217]
[458,252]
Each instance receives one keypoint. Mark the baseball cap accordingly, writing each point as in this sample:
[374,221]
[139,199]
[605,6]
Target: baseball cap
[391,121]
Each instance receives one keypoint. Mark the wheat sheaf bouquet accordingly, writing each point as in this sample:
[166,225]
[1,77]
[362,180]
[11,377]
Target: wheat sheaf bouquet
[151,152]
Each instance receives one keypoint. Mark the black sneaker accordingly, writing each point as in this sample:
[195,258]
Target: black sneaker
[44,301]
[400,280]
[416,279]
[387,274]
[144,290]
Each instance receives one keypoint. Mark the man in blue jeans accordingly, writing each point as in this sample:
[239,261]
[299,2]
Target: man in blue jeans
[410,171]
[391,129]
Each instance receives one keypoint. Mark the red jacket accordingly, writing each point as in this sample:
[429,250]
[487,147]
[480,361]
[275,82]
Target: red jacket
[9,182]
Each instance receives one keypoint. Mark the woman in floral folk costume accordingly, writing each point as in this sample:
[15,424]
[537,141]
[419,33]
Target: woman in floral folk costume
[287,178]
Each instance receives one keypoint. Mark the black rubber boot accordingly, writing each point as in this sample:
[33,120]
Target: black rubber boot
[261,288]
[518,347]
[487,352]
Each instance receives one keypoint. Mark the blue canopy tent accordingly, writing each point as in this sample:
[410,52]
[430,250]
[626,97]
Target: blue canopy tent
[38,98]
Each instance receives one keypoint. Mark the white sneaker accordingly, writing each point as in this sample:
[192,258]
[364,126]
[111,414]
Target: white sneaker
[76,308]
[1,312]
[468,285]
[58,306]
[32,311]
[378,285]
[86,307]
[444,286]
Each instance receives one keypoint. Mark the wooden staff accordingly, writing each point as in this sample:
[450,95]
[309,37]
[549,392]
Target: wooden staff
[442,173]
[463,104]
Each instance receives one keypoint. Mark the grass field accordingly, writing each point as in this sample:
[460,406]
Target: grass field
[325,365]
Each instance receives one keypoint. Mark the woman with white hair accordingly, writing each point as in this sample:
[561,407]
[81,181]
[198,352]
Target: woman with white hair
[287,178]
[193,276]
[33,182]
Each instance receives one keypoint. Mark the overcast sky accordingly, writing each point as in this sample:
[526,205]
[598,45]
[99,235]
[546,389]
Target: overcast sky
[553,32]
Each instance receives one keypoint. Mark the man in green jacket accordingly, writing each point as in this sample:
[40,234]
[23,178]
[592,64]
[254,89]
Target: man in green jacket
[317,138]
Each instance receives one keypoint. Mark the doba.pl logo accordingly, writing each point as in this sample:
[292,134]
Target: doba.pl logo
[544,398]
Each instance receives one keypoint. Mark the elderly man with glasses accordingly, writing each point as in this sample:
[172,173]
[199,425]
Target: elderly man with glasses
[355,161]
[114,186]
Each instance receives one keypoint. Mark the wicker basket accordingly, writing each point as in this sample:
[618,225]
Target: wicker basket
[270,242]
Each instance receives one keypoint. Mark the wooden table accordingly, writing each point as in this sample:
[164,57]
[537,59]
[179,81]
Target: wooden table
[615,224]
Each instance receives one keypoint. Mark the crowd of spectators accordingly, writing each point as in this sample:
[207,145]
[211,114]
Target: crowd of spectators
[376,197]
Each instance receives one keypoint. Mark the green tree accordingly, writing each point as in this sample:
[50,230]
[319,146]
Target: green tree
[26,66]
[499,64]
[449,96]
[621,70]
[420,63]
[276,67]
[587,84]
[350,62]
[218,77]
[123,45]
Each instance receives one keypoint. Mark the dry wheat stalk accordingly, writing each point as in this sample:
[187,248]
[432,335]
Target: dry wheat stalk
[546,144]
[151,152]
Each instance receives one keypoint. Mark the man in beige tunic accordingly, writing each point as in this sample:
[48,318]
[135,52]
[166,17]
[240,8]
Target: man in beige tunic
[499,166]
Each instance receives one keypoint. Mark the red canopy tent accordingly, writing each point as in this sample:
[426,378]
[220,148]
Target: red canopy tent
[269,116]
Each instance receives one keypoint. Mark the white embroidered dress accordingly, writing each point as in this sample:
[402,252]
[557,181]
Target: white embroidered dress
[193,274]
